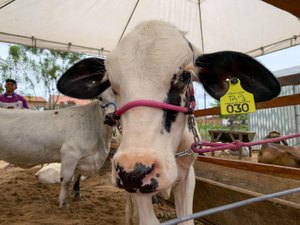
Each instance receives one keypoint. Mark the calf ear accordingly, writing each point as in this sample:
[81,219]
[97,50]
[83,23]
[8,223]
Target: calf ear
[84,79]
[215,68]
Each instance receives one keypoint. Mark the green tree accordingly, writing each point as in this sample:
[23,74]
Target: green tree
[235,121]
[36,66]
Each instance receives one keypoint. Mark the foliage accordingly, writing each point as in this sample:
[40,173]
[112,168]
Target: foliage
[35,66]
[236,121]
[204,128]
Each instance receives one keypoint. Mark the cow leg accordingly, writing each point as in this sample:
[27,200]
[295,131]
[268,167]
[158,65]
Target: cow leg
[129,209]
[184,194]
[76,186]
[131,214]
[68,166]
[146,210]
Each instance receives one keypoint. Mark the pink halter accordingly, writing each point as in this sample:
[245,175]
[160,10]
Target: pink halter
[111,118]
[150,103]
[160,105]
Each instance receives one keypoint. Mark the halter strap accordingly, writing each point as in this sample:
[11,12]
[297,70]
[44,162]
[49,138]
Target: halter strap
[150,103]
[160,105]
[111,118]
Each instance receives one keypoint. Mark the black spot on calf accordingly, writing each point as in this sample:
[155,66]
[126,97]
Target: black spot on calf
[133,181]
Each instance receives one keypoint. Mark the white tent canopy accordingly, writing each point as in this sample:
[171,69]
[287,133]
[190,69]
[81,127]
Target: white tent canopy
[96,26]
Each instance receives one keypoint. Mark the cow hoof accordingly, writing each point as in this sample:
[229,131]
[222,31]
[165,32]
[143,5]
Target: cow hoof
[63,205]
[76,197]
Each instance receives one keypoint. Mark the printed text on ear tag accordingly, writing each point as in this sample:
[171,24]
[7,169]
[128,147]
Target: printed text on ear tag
[237,100]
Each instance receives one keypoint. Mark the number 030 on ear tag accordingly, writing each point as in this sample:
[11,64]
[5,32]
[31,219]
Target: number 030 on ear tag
[237,100]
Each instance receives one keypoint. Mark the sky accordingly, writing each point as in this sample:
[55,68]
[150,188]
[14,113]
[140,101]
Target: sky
[279,60]
[39,91]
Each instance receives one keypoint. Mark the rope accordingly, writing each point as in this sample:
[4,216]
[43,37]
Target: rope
[161,105]
[230,206]
[236,145]
[150,103]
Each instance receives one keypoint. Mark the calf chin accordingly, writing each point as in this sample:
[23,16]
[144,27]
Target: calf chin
[143,171]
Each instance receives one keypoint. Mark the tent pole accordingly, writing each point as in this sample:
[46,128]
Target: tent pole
[137,2]
[200,23]
[6,4]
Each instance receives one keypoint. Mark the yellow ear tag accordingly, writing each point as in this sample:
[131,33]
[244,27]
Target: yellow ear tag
[237,100]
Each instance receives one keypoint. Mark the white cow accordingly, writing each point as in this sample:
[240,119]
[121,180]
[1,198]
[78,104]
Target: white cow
[75,136]
[156,62]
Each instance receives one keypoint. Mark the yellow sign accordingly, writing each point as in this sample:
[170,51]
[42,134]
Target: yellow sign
[237,100]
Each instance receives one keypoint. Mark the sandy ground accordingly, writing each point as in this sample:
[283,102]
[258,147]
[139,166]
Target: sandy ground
[225,154]
[24,201]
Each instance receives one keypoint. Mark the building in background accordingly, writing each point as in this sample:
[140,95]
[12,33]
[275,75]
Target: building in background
[62,101]
[285,120]
[36,102]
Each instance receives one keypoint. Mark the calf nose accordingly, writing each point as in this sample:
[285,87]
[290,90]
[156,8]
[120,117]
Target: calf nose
[135,180]
[135,171]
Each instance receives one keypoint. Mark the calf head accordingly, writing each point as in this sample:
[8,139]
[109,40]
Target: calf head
[156,62]
[276,134]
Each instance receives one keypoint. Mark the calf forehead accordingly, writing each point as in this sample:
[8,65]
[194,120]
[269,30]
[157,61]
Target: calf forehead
[151,52]
[147,64]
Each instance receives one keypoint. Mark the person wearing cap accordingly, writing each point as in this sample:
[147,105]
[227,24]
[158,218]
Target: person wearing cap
[10,99]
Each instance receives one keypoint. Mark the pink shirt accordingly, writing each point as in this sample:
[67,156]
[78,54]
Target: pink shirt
[14,101]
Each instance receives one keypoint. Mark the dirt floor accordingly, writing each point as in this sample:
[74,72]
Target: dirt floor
[225,154]
[24,201]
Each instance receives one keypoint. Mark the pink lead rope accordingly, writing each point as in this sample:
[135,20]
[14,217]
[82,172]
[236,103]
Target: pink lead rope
[195,147]
[236,145]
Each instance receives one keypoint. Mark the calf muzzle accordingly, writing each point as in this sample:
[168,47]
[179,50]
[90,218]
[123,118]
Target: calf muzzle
[133,181]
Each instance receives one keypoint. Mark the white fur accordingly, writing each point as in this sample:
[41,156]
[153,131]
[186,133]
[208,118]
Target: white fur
[76,137]
[153,62]
[49,174]
[141,67]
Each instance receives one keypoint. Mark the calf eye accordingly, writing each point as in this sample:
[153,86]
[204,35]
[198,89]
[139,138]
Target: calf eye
[186,76]
[114,91]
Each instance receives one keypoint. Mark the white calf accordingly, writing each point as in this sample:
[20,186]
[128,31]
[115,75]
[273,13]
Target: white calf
[49,174]
[76,137]
[156,62]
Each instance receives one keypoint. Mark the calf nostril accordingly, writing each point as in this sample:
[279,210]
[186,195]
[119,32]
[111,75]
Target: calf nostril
[142,169]
[133,180]
[139,172]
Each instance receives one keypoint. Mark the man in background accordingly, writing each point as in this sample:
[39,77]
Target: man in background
[10,99]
